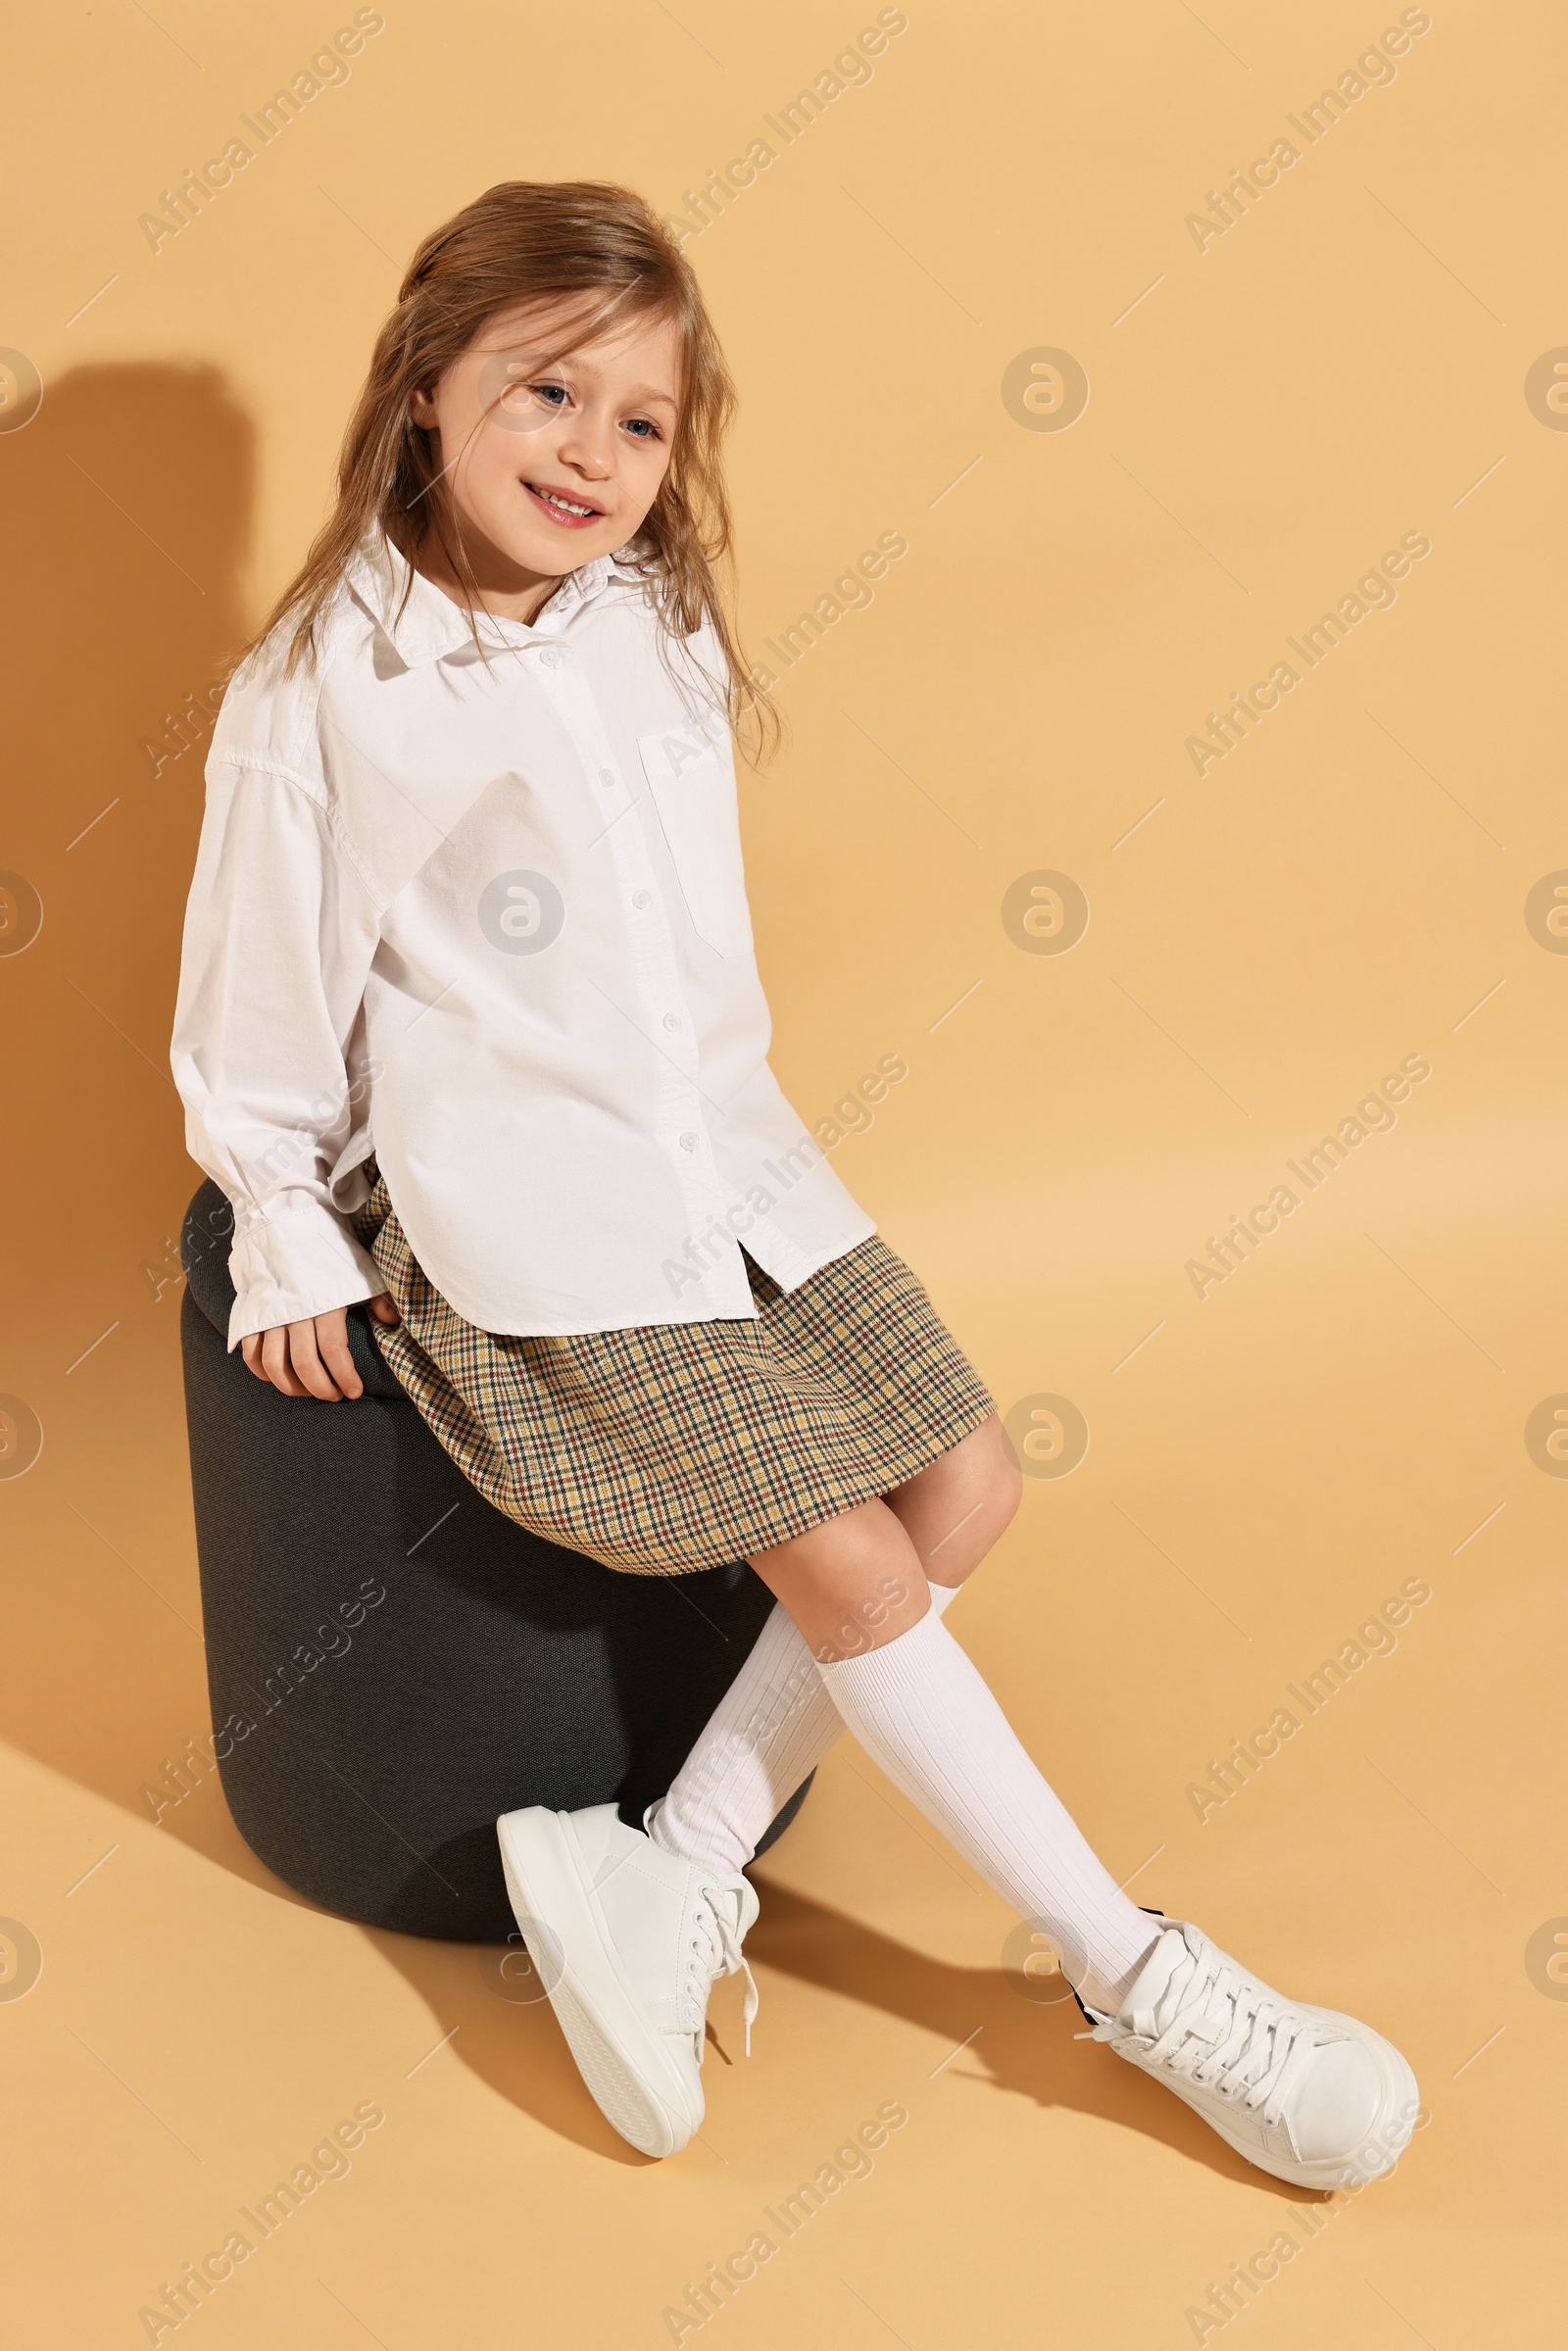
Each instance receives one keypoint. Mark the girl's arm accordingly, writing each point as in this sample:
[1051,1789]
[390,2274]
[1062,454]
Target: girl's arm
[279,933]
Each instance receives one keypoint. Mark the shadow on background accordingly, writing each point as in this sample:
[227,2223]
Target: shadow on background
[504,2030]
[1018,2044]
[127,507]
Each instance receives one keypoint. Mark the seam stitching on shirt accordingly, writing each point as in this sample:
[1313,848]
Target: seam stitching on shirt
[320,797]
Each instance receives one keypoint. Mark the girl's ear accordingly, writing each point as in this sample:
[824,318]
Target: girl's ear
[422,408]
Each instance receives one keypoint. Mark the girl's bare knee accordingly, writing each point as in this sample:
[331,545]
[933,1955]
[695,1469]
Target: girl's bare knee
[983,1484]
[850,1584]
[991,1516]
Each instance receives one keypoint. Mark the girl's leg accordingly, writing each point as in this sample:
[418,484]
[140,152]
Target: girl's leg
[776,1721]
[959,1508]
[922,1712]
[634,1934]
[861,1641]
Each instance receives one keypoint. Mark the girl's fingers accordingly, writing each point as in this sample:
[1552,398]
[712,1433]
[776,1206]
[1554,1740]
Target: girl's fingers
[276,1363]
[332,1345]
[313,1358]
[305,1361]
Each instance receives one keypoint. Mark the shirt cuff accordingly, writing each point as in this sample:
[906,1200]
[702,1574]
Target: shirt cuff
[293,1260]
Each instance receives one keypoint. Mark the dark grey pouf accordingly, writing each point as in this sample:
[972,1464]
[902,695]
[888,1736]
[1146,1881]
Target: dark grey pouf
[392,1662]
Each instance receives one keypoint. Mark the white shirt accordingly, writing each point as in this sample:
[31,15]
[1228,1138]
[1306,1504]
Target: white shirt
[490,922]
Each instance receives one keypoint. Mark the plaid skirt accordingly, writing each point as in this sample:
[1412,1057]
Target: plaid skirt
[673,1447]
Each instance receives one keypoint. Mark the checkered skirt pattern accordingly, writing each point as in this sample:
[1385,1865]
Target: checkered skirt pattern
[673,1447]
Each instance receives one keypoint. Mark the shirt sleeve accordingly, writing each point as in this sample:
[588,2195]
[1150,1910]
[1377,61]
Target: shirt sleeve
[280,930]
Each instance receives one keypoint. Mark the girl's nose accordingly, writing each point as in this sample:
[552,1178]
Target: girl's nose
[588,446]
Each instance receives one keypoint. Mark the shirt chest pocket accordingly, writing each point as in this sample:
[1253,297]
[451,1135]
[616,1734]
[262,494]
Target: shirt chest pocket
[693,784]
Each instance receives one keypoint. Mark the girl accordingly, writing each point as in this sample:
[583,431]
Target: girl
[469,1029]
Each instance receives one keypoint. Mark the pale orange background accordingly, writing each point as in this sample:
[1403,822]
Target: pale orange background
[1268,415]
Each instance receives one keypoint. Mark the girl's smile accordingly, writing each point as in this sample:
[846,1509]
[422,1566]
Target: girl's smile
[567,512]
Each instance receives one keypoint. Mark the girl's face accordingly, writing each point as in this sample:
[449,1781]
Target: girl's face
[550,462]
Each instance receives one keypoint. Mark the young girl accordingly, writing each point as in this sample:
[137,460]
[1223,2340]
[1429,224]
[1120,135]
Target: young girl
[469,1029]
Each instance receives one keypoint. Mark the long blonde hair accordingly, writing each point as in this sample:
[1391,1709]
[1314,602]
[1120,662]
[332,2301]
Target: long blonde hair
[524,241]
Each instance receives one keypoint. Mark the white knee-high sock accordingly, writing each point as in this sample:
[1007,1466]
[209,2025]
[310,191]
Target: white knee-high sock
[769,1730]
[921,1712]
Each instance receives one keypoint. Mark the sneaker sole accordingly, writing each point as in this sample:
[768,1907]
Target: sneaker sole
[621,2058]
[1400,2096]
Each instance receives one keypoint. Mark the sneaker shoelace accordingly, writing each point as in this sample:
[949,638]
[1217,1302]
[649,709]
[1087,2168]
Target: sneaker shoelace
[1223,2034]
[716,1946]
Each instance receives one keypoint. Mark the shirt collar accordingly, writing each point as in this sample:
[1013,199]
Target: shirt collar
[429,626]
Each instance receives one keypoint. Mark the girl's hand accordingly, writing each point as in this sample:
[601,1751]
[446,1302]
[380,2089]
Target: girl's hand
[312,1357]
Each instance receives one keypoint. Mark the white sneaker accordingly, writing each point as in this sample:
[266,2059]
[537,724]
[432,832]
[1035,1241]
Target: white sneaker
[1306,2093]
[627,1939]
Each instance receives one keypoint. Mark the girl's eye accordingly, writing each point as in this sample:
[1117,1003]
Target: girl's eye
[643,427]
[552,395]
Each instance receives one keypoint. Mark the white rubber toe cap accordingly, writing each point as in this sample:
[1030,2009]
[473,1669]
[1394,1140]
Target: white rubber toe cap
[1338,2104]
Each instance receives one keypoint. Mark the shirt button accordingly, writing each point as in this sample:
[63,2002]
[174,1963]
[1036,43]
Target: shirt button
[688,1141]
[607,775]
[671,1021]
[550,658]
[641,899]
